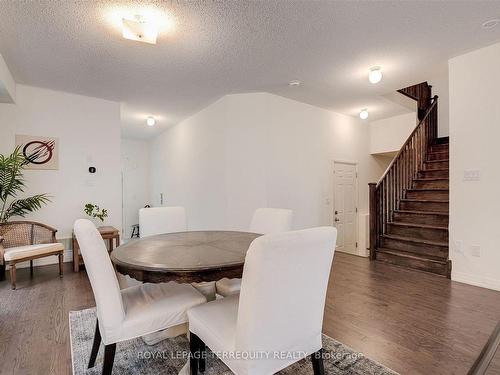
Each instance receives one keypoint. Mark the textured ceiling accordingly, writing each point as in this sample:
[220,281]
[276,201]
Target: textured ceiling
[223,47]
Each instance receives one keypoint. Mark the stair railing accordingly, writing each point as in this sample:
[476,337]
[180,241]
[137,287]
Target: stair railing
[399,176]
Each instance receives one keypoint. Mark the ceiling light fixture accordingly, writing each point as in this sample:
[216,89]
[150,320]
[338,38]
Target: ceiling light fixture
[294,83]
[140,29]
[150,121]
[375,75]
[490,23]
[363,115]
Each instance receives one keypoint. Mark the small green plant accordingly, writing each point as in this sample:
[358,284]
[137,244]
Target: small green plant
[95,212]
[12,184]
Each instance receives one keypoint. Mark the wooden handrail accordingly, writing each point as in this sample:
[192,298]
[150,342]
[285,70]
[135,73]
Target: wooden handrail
[408,140]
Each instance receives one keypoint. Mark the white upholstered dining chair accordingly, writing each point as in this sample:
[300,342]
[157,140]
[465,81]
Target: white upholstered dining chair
[159,220]
[264,221]
[132,312]
[279,309]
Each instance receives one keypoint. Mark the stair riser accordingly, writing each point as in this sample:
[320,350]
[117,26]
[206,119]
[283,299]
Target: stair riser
[437,155]
[439,220]
[421,265]
[430,234]
[434,174]
[439,148]
[426,194]
[437,184]
[417,248]
[424,206]
[436,165]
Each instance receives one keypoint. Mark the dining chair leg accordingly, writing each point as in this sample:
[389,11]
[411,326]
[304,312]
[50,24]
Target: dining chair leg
[193,353]
[317,362]
[13,275]
[202,358]
[31,268]
[109,358]
[61,259]
[95,346]
[2,272]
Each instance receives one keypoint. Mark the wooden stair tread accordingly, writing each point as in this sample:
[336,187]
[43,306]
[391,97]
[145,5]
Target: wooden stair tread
[437,170]
[416,225]
[429,189]
[436,161]
[432,179]
[415,240]
[425,200]
[422,212]
[408,255]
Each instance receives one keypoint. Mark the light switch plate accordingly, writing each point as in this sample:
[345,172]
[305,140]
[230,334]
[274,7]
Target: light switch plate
[457,246]
[472,175]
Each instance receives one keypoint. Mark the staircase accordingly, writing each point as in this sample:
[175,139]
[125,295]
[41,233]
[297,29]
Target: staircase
[409,206]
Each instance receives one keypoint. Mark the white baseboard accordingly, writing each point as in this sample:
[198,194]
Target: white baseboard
[483,282]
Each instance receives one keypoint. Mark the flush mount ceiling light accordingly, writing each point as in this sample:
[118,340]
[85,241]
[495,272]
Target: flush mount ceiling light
[490,23]
[363,115]
[140,29]
[375,75]
[294,83]
[150,121]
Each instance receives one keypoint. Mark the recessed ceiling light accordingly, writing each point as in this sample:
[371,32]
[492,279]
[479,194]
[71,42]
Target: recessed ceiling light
[140,29]
[150,121]
[375,75]
[363,115]
[294,83]
[490,23]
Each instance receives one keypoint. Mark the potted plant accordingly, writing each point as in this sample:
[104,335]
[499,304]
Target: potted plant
[96,214]
[12,184]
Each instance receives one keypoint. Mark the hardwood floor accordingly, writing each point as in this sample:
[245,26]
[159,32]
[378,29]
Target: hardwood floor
[412,322]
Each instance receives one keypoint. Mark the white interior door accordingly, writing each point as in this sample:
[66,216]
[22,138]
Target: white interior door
[345,206]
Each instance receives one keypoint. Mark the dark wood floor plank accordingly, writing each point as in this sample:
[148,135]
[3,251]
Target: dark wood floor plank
[412,322]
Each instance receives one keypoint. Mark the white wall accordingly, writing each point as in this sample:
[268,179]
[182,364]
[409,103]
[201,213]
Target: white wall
[256,150]
[440,87]
[474,135]
[389,134]
[135,164]
[89,135]
[7,84]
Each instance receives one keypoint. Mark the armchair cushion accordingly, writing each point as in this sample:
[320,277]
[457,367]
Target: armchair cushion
[21,252]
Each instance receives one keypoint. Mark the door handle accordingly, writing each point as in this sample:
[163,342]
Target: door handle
[337,219]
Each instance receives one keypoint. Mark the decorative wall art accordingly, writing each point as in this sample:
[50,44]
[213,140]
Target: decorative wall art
[41,152]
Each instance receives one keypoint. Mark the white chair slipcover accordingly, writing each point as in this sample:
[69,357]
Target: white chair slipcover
[280,306]
[132,312]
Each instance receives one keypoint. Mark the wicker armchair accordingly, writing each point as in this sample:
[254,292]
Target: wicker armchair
[21,241]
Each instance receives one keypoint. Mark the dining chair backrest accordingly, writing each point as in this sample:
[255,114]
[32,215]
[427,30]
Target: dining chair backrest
[271,220]
[283,293]
[102,277]
[159,220]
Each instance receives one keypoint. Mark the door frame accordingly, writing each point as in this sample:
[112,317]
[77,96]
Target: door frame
[356,201]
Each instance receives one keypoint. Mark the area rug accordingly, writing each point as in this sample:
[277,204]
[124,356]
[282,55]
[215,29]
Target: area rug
[169,356]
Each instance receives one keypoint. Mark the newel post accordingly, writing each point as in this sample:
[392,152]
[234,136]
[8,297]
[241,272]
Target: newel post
[373,218]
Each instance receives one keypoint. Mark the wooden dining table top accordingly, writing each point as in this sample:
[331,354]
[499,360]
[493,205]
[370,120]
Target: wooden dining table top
[184,256]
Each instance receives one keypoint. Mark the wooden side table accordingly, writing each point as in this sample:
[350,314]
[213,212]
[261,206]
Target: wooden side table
[111,234]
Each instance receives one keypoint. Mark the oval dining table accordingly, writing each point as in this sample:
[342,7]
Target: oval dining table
[186,257]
